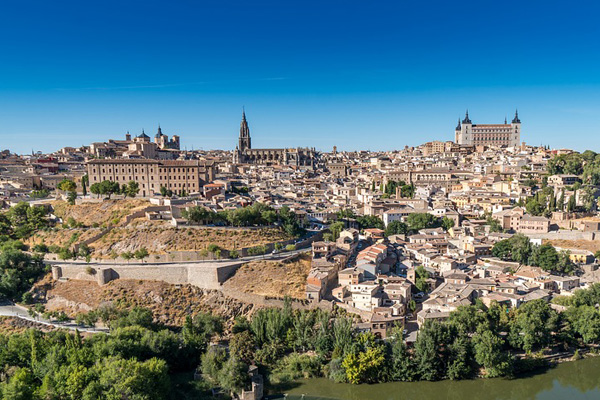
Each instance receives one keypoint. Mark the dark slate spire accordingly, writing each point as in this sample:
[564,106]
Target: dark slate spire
[516,119]
[466,120]
[143,134]
[159,133]
[505,120]
[244,139]
[458,126]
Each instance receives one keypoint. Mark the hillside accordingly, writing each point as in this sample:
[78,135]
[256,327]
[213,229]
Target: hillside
[272,278]
[159,238]
[98,214]
[169,303]
[61,237]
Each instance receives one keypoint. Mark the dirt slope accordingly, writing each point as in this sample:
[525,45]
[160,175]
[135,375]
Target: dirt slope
[591,245]
[169,303]
[160,238]
[272,278]
[103,213]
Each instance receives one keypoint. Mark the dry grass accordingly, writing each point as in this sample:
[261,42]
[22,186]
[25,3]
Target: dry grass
[169,303]
[12,325]
[160,238]
[272,278]
[591,245]
[61,237]
[102,213]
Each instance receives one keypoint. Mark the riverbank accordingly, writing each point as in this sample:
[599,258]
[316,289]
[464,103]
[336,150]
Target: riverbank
[573,380]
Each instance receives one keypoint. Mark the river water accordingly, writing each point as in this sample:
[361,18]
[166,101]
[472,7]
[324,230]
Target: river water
[571,381]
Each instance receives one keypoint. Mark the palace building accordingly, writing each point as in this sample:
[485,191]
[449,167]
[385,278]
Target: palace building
[497,135]
[245,154]
[180,176]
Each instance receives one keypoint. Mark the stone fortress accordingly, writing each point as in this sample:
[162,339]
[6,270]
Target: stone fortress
[468,133]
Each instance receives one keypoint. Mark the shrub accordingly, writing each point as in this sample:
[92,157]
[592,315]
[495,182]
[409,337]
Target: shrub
[27,298]
[212,248]
[40,248]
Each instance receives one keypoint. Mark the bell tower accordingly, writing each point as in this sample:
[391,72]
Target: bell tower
[244,142]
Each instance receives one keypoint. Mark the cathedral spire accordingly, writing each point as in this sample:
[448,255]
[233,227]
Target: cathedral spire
[458,126]
[244,139]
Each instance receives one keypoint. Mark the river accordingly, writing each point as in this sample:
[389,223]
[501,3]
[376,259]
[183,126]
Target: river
[571,380]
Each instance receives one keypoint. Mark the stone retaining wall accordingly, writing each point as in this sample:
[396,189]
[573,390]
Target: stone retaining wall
[205,276]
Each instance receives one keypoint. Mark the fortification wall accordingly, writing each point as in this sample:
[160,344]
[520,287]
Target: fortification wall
[205,276]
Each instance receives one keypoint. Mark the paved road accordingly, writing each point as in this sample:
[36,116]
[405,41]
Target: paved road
[8,309]
[268,256]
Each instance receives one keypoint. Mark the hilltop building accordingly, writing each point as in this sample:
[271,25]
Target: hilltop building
[245,154]
[180,176]
[468,133]
[140,146]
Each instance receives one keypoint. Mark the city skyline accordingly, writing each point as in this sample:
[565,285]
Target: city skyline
[400,76]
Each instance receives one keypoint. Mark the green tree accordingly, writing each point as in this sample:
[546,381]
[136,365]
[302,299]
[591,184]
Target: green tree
[131,189]
[141,253]
[447,223]
[396,228]
[71,197]
[18,272]
[532,325]
[128,379]
[418,221]
[336,228]
[495,226]
[212,363]
[490,354]
[547,257]
[270,216]
[20,386]
[534,207]
[401,368]
[67,185]
[370,221]
[96,189]
[571,204]
[242,346]
[85,180]
[233,377]
[459,359]
[408,191]
[422,276]
[560,203]
[366,365]
[585,321]
[429,351]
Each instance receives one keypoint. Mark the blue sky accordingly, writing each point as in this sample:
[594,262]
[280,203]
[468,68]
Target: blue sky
[373,75]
